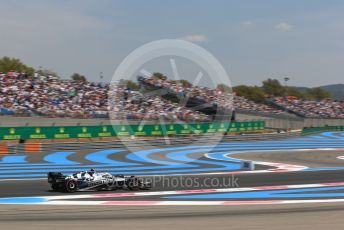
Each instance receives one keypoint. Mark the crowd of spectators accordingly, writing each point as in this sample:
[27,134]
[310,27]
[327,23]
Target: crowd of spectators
[225,100]
[52,97]
[205,94]
[48,96]
[244,104]
[327,108]
[127,104]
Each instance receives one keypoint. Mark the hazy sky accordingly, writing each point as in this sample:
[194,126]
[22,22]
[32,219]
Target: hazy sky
[253,40]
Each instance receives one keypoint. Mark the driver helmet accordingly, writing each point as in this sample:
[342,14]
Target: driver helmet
[92,171]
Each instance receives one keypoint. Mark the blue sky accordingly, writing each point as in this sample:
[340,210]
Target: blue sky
[253,40]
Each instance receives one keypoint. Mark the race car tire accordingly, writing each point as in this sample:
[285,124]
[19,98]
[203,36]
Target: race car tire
[71,186]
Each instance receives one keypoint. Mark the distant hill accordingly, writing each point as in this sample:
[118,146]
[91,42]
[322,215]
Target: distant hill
[336,91]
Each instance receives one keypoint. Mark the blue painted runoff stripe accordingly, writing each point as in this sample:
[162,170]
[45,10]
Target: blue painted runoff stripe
[182,156]
[60,158]
[142,156]
[23,200]
[18,167]
[222,156]
[102,157]
[13,159]
[100,168]
[273,194]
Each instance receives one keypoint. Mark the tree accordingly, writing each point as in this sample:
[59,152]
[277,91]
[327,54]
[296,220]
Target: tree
[129,84]
[317,94]
[182,82]
[253,93]
[158,75]
[292,91]
[7,64]
[224,88]
[273,87]
[78,77]
[48,73]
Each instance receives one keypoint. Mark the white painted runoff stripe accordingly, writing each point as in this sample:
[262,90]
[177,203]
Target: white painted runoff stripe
[70,199]
[252,202]
[181,203]
[280,167]
[321,149]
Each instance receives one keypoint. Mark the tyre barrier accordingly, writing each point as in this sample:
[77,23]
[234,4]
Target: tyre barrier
[33,147]
[4,149]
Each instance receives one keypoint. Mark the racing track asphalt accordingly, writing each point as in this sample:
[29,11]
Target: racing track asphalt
[280,217]
[41,187]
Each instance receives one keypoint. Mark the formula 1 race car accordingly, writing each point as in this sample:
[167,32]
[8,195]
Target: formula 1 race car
[94,181]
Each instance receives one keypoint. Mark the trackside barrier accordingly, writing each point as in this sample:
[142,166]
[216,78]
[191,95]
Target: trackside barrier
[311,130]
[180,141]
[146,130]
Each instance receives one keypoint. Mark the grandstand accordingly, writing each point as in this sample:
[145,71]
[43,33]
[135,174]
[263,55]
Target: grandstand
[22,95]
[312,109]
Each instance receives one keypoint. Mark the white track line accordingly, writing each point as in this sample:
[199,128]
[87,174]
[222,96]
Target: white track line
[70,199]
[192,191]
[183,203]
